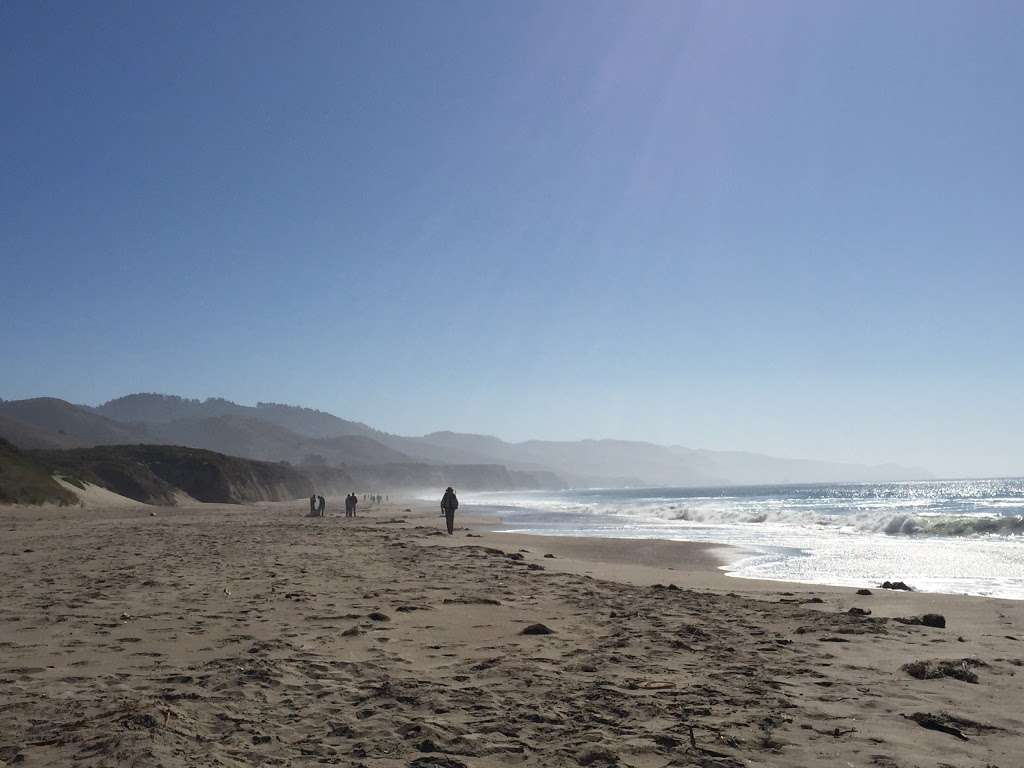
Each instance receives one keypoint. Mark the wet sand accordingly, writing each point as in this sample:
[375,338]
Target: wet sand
[241,636]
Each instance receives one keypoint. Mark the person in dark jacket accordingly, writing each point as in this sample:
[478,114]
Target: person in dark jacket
[312,505]
[448,505]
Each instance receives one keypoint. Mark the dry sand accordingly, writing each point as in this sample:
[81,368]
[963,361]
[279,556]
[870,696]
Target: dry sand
[216,635]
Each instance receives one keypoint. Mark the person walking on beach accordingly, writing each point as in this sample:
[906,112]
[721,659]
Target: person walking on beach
[322,505]
[448,505]
[312,505]
[355,503]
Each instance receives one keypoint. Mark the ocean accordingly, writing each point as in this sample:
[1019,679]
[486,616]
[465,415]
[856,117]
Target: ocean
[953,536]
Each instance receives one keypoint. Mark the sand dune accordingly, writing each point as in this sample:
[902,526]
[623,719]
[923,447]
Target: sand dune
[257,636]
[96,497]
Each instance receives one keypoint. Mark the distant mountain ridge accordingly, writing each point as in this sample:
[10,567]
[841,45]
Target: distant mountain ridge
[63,420]
[151,408]
[323,447]
[635,463]
[278,432]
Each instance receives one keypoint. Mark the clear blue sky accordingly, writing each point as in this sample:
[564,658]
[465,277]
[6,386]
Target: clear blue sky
[788,227]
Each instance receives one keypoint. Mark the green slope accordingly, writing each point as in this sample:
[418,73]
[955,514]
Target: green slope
[24,480]
[154,473]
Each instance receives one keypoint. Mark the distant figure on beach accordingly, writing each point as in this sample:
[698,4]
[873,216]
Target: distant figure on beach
[321,505]
[355,503]
[350,505]
[312,505]
[448,505]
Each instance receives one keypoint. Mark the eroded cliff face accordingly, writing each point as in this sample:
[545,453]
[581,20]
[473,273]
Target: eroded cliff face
[263,482]
[155,474]
[211,477]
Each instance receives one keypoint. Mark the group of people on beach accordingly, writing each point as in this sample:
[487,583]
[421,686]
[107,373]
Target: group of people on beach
[449,503]
[318,505]
[351,502]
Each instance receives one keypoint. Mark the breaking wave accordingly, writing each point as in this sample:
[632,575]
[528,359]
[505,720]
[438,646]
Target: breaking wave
[954,526]
[941,508]
[853,535]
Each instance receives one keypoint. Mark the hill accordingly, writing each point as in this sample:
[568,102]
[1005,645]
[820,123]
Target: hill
[24,480]
[158,474]
[329,465]
[159,413]
[634,463]
[60,422]
[166,475]
[146,408]
[28,436]
[313,423]
[624,462]
[276,432]
[150,408]
[254,438]
[49,423]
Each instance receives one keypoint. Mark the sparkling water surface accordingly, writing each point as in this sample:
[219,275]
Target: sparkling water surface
[957,536]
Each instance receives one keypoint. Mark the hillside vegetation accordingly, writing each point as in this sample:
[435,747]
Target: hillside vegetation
[154,474]
[23,480]
[62,423]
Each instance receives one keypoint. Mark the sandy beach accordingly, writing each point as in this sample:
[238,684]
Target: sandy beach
[254,635]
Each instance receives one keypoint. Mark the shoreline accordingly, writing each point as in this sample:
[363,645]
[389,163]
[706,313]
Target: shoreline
[699,565]
[742,551]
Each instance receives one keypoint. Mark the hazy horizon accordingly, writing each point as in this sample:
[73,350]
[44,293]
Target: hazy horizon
[784,228]
[595,437]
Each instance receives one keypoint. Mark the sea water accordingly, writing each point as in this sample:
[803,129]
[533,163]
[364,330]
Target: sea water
[957,536]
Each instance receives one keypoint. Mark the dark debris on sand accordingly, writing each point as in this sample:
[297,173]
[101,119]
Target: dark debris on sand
[437,761]
[946,722]
[537,629]
[936,620]
[896,585]
[958,669]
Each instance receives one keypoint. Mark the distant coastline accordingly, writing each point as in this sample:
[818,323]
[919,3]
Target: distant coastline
[316,442]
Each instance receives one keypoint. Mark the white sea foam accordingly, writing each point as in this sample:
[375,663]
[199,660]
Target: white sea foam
[854,535]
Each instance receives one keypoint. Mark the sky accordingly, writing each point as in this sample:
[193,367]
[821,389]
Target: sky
[787,227]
